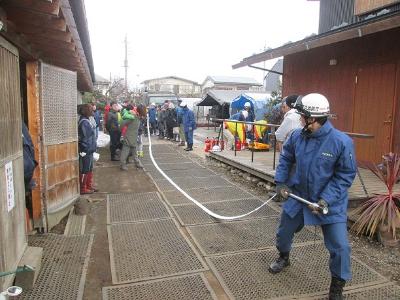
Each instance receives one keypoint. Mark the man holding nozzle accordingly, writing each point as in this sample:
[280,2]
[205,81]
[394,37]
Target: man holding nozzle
[317,163]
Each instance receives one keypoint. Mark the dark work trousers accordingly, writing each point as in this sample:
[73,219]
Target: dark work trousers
[153,127]
[170,132]
[115,137]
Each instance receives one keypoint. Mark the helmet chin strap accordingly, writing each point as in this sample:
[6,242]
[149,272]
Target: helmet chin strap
[306,130]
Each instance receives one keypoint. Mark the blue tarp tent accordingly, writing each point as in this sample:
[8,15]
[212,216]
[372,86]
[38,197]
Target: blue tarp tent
[258,103]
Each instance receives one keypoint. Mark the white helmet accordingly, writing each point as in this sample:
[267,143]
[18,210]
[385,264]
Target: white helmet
[247,104]
[313,105]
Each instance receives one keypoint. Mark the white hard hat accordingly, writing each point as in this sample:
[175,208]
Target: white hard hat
[183,104]
[247,104]
[153,104]
[313,105]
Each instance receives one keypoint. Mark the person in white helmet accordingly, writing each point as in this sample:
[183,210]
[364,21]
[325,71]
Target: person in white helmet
[317,163]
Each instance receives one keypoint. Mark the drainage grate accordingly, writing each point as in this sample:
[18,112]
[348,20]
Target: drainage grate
[242,235]
[381,292]
[63,269]
[135,207]
[193,183]
[150,250]
[204,195]
[184,288]
[191,214]
[308,274]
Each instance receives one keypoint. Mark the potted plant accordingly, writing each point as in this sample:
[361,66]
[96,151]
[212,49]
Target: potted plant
[381,213]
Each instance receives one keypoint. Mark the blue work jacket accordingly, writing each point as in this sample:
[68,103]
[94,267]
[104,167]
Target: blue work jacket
[318,166]
[188,120]
[86,136]
[152,115]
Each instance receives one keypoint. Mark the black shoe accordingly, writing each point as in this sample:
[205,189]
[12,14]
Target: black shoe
[281,263]
[188,149]
[336,289]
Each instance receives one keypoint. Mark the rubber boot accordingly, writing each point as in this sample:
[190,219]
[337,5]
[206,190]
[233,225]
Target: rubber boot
[83,183]
[336,289]
[281,263]
[90,184]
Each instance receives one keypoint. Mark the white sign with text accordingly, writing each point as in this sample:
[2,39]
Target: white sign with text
[10,186]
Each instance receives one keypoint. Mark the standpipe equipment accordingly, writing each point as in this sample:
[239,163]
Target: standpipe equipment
[324,210]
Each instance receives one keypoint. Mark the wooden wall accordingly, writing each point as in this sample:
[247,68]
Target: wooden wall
[62,175]
[311,71]
[12,220]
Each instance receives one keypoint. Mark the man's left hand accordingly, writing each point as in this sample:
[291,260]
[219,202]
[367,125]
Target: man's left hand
[317,211]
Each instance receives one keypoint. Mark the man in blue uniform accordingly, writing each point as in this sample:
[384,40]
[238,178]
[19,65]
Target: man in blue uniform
[317,163]
[189,125]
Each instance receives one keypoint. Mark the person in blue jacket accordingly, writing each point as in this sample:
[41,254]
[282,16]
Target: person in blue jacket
[153,118]
[317,163]
[189,125]
[86,146]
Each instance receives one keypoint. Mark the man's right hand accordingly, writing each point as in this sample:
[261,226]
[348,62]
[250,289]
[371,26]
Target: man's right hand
[283,190]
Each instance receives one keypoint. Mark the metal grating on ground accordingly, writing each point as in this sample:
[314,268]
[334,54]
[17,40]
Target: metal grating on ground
[204,195]
[381,292]
[199,172]
[307,275]
[187,287]
[176,159]
[171,166]
[193,183]
[150,250]
[241,235]
[75,224]
[64,266]
[135,207]
[191,214]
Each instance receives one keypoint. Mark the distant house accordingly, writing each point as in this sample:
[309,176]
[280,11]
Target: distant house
[355,62]
[230,83]
[101,84]
[171,84]
[273,81]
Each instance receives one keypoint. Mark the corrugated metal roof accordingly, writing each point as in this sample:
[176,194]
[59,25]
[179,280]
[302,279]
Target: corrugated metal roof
[234,80]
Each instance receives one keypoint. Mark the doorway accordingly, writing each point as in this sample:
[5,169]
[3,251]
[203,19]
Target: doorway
[373,110]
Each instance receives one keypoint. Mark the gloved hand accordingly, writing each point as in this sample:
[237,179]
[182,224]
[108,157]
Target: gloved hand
[82,154]
[322,203]
[283,190]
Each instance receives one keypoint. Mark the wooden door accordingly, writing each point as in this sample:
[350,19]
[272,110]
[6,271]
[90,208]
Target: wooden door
[373,110]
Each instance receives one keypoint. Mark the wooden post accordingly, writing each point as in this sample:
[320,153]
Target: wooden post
[34,125]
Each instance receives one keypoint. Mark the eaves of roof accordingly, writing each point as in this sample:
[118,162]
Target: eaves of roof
[356,30]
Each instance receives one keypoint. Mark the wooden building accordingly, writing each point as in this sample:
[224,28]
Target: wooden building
[45,61]
[357,66]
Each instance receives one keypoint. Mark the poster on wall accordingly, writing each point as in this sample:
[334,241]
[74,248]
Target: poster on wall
[10,186]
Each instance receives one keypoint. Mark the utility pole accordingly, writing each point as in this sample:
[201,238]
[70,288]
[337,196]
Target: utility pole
[126,64]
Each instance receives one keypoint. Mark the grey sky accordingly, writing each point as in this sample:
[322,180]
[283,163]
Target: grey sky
[192,39]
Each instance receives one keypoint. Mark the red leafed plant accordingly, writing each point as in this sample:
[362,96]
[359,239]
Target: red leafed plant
[382,209]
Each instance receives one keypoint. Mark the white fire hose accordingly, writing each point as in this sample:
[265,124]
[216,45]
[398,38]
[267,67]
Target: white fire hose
[324,210]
